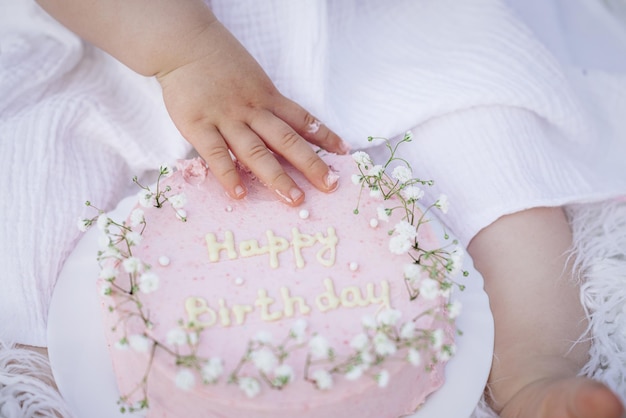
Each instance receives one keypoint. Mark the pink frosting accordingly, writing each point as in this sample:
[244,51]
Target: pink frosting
[362,257]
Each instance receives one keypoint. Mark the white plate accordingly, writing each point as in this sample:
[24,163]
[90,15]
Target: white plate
[84,373]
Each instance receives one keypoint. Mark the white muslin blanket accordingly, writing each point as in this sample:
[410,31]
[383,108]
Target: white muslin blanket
[512,106]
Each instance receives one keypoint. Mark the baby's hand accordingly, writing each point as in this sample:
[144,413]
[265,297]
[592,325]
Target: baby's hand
[222,101]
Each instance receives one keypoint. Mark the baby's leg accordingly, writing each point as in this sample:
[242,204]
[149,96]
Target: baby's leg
[538,319]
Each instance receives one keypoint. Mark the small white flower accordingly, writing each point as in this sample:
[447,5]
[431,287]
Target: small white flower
[185,379]
[323,379]
[319,348]
[437,338]
[178,200]
[133,238]
[298,331]
[375,171]
[383,345]
[108,273]
[139,342]
[250,386]
[102,222]
[83,224]
[132,265]
[110,252]
[264,337]
[446,353]
[105,289]
[402,174]
[137,217]
[442,203]
[412,193]
[192,337]
[411,272]
[454,309]
[212,370]
[429,288]
[360,341]
[165,169]
[181,214]
[399,245]
[389,317]
[362,158]
[264,360]
[376,193]
[366,359]
[382,378]
[382,213]
[408,136]
[148,282]
[357,179]
[354,372]
[122,344]
[414,357]
[405,229]
[456,261]
[407,331]
[145,198]
[369,322]
[176,336]
[283,374]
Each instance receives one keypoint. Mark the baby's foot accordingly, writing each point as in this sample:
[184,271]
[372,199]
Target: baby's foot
[576,397]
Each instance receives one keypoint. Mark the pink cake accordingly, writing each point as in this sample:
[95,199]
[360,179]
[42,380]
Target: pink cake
[224,308]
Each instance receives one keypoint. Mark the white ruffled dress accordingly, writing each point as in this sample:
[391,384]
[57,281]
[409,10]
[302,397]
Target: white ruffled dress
[505,116]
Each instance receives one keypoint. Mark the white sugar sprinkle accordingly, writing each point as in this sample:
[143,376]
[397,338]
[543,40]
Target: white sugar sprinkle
[373,222]
[354,266]
[239,281]
[229,208]
[304,214]
[164,261]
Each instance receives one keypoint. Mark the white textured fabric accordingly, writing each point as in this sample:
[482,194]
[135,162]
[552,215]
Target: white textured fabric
[501,122]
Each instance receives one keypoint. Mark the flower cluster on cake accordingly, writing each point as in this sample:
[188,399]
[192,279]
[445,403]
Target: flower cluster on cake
[223,308]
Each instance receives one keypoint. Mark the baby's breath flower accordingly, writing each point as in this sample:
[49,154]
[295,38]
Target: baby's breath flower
[405,230]
[264,360]
[375,192]
[376,171]
[283,375]
[456,261]
[178,200]
[454,309]
[165,170]
[137,217]
[429,288]
[383,345]
[319,348]
[176,336]
[357,179]
[442,203]
[437,338]
[362,159]
[354,372]
[132,265]
[212,370]
[298,331]
[148,282]
[412,193]
[122,344]
[414,357]
[146,198]
[446,352]
[369,322]
[382,378]
[103,221]
[383,213]
[250,386]
[399,245]
[105,289]
[407,331]
[389,317]
[139,342]
[133,238]
[360,341]
[402,174]
[185,379]
[411,272]
[108,273]
[323,379]
[83,224]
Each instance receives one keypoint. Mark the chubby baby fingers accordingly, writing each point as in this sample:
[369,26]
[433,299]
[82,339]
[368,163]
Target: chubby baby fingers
[214,150]
[309,127]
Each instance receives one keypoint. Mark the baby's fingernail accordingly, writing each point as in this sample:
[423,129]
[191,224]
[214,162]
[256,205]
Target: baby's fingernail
[331,180]
[295,194]
[239,191]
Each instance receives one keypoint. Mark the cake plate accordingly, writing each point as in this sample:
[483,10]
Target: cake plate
[83,370]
